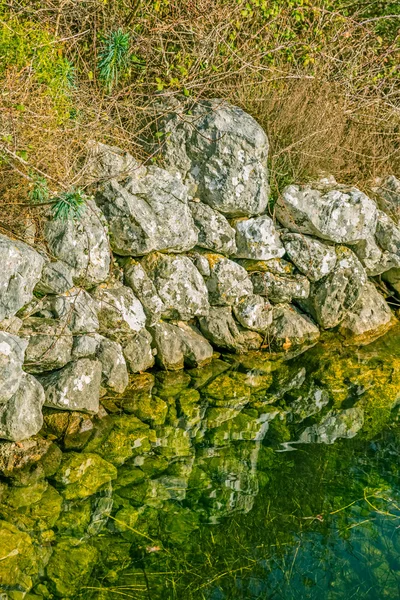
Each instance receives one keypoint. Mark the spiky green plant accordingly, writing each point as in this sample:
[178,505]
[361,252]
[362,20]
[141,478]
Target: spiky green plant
[39,192]
[69,205]
[113,58]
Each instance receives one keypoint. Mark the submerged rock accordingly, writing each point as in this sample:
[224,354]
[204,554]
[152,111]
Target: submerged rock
[150,212]
[228,281]
[291,330]
[21,417]
[82,474]
[179,285]
[82,244]
[75,387]
[50,344]
[12,352]
[258,239]
[215,233]
[180,344]
[280,288]
[18,560]
[221,152]
[313,258]
[20,272]
[137,279]
[70,566]
[336,424]
[333,296]
[368,318]
[221,329]
[340,214]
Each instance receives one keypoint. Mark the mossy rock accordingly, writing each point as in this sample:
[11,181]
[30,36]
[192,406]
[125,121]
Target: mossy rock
[82,475]
[153,466]
[228,390]
[203,375]
[70,567]
[38,514]
[149,409]
[74,518]
[114,557]
[18,560]
[173,442]
[177,524]
[125,521]
[171,384]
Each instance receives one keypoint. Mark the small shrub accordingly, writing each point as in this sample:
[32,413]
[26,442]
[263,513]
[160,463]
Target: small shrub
[70,205]
[113,58]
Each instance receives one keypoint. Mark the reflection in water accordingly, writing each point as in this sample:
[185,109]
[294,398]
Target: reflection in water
[248,479]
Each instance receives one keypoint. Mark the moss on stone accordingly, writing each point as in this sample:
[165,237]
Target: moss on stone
[81,475]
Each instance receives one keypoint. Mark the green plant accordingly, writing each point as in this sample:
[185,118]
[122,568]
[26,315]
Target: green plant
[69,205]
[39,192]
[113,58]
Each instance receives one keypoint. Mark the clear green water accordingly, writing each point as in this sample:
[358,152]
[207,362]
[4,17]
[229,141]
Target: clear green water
[249,479]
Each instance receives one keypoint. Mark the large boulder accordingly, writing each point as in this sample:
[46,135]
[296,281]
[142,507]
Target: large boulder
[253,312]
[368,318]
[290,330]
[258,239]
[21,268]
[137,279]
[137,351]
[228,281]
[12,352]
[50,344]
[221,152]
[335,213]
[114,369]
[221,329]
[150,212]
[56,278]
[76,309]
[313,258]
[280,288]
[215,233]
[118,310]
[82,244]
[21,417]
[375,260]
[388,196]
[75,387]
[179,344]
[179,285]
[334,295]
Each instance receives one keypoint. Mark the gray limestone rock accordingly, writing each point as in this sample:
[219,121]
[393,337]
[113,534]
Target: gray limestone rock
[392,277]
[291,330]
[137,279]
[221,152]
[56,278]
[375,260]
[258,239]
[21,417]
[118,310]
[215,233]
[114,369]
[50,344]
[109,162]
[150,212]
[84,346]
[335,213]
[253,312]
[11,325]
[387,234]
[280,288]
[221,329]
[82,244]
[179,344]
[336,424]
[179,285]
[313,258]
[77,309]
[333,296]
[228,281]
[137,351]
[388,193]
[369,317]
[277,266]
[12,352]
[21,268]
[75,387]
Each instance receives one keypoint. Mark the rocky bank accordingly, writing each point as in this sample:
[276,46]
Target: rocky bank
[169,264]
